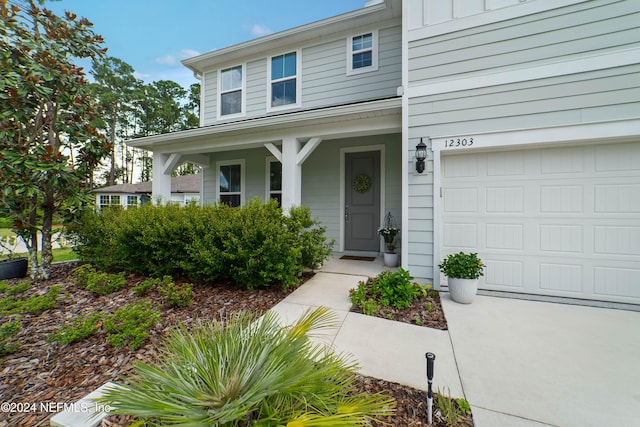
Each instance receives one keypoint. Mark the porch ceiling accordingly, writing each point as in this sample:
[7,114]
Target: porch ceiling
[361,119]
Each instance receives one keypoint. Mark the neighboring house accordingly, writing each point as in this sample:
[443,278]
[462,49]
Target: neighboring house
[183,190]
[530,111]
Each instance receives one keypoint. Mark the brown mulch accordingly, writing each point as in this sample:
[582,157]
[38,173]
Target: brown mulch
[49,372]
[426,311]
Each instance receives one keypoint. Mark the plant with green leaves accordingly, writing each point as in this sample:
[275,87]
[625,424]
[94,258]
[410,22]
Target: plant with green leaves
[78,329]
[462,266]
[130,325]
[389,289]
[8,331]
[248,371]
[49,147]
[451,410]
[105,283]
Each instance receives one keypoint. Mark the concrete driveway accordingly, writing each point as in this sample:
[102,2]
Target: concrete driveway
[528,363]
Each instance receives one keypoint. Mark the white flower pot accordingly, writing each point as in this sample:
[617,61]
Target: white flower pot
[390,259]
[463,290]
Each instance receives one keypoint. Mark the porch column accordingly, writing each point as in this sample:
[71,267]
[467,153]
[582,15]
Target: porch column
[161,182]
[291,174]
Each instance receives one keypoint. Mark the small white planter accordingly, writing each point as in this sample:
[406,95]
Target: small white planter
[463,290]
[390,259]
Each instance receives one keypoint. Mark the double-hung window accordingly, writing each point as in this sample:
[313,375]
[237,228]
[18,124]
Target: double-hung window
[231,91]
[283,88]
[231,182]
[362,53]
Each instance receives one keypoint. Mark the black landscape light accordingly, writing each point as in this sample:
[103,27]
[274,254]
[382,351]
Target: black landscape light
[430,359]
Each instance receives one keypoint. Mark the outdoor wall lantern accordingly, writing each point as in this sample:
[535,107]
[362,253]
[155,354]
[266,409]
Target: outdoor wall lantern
[421,154]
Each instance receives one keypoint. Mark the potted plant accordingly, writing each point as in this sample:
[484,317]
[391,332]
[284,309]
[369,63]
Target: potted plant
[11,267]
[462,270]
[389,231]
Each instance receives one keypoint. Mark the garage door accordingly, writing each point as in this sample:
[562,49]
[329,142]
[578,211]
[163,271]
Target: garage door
[550,221]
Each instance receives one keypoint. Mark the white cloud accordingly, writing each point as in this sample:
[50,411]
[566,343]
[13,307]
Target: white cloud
[259,30]
[173,59]
[169,60]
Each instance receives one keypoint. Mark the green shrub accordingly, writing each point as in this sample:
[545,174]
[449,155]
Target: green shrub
[78,329]
[254,245]
[177,295]
[130,325]
[462,266]
[248,372]
[19,288]
[4,286]
[80,275]
[143,288]
[8,331]
[32,305]
[390,289]
[105,283]
[38,304]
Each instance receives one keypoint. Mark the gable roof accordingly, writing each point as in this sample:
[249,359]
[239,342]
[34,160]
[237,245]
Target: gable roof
[373,12]
[179,184]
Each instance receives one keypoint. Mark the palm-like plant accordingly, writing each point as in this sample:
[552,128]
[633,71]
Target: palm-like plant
[248,371]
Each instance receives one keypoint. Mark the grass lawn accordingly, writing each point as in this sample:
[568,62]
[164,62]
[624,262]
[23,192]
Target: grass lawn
[60,254]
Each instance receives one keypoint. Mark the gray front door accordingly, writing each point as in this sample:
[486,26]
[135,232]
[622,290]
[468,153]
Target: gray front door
[362,201]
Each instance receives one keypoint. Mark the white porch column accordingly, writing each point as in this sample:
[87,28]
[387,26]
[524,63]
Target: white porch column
[291,174]
[161,182]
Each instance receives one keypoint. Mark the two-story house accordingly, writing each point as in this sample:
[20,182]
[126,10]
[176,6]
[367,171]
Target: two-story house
[530,111]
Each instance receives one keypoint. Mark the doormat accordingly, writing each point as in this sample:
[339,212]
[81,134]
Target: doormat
[358,258]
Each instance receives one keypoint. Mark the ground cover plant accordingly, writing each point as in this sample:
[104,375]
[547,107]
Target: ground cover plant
[396,296]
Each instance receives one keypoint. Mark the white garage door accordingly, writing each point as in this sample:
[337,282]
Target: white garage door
[551,221]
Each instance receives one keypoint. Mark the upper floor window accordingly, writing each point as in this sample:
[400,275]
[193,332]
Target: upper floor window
[231,182]
[231,91]
[283,89]
[362,53]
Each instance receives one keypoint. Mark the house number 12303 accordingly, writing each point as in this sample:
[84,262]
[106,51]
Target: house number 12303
[458,142]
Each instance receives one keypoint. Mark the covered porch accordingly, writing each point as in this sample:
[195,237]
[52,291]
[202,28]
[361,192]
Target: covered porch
[303,158]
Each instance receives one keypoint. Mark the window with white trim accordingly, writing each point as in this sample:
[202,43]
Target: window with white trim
[284,80]
[231,83]
[274,180]
[108,201]
[132,201]
[231,182]
[362,53]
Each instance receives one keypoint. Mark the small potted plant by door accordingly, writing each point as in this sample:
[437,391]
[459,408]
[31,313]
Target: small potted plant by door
[11,267]
[389,231]
[462,271]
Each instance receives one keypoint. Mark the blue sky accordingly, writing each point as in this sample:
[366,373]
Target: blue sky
[153,36]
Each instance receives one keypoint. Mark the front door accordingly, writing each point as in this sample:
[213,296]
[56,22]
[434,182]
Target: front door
[362,201]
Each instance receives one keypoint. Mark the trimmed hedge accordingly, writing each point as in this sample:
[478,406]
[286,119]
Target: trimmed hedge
[253,246]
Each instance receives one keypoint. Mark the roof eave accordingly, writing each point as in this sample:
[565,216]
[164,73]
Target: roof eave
[369,15]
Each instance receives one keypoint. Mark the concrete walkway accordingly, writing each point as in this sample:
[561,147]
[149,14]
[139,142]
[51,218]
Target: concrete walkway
[519,363]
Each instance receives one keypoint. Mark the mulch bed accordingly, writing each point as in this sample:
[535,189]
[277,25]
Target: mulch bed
[426,311]
[42,371]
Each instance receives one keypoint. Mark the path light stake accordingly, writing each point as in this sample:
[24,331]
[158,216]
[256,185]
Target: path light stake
[430,358]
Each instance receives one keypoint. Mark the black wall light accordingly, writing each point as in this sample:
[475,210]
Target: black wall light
[421,155]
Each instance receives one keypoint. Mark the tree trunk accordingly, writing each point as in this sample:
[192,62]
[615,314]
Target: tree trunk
[47,251]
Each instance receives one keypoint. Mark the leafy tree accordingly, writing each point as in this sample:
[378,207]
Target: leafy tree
[114,87]
[49,146]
